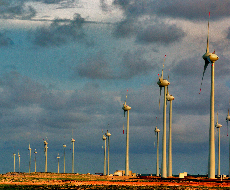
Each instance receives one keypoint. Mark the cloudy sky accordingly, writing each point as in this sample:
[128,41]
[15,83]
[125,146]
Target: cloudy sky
[66,66]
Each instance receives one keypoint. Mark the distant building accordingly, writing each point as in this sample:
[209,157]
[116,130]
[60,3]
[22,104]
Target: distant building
[122,173]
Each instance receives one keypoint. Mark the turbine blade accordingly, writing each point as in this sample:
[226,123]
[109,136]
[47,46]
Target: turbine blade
[207,50]
[227,128]
[205,67]
[159,103]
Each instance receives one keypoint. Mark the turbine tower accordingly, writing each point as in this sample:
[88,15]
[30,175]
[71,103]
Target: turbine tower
[108,135]
[163,83]
[19,161]
[35,165]
[157,131]
[72,140]
[30,157]
[45,150]
[211,58]
[126,108]
[218,126]
[58,161]
[170,98]
[14,160]
[64,146]
[228,119]
[104,139]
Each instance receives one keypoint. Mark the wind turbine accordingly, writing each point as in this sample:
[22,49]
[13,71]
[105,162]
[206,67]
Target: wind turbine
[64,146]
[170,98]
[35,167]
[211,58]
[157,131]
[19,161]
[58,161]
[30,157]
[104,139]
[14,161]
[72,140]
[228,119]
[45,150]
[218,126]
[108,135]
[126,108]
[163,83]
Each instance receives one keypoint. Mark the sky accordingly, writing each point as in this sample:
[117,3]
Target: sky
[66,67]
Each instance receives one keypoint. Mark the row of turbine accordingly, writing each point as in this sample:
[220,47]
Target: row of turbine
[209,58]
[104,139]
[46,156]
[164,83]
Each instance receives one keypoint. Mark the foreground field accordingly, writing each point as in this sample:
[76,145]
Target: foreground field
[87,181]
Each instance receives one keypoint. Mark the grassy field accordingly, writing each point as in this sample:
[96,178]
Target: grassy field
[86,181]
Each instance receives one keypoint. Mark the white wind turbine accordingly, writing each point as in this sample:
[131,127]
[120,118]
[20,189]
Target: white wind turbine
[58,157]
[30,157]
[35,164]
[14,160]
[72,140]
[228,119]
[126,108]
[104,139]
[163,83]
[157,131]
[64,146]
[108,135]
[218,126]
[170,98]
[45,150]
[211,58]
[19,161]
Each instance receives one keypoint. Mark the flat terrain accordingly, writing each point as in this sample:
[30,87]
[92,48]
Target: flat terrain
[88,181]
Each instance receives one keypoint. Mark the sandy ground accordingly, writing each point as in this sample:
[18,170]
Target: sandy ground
[37,179]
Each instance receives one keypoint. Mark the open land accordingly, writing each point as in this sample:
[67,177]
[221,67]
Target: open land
[89,181]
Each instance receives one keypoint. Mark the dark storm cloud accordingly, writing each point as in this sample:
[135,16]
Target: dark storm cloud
[10,9]
[160,34]
[58,33]
[124,28]
[18,90]
[192,10]
[25,103]
[134,64]
[195,10]
[97,67]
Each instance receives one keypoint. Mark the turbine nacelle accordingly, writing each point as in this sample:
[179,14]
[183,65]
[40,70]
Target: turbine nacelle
[126,108]
[72,140]
[163,82]
[157,130]
[218,125]
[108,134]
[104,137]
[210,57]
[228,117]
[169,97]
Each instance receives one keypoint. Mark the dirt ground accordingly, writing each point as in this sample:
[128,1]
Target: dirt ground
[82,180]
